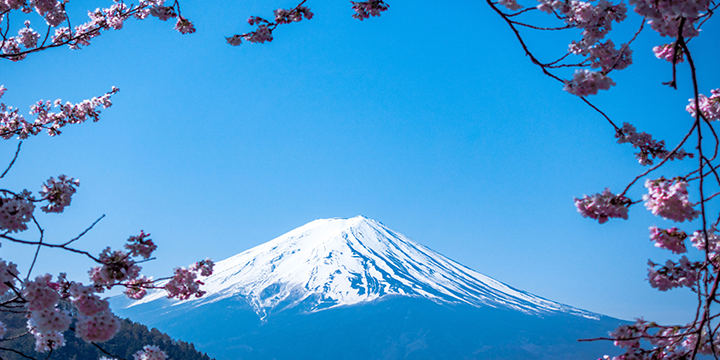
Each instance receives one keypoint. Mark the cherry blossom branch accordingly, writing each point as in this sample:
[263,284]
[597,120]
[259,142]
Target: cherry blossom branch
[100,20]
[37,250]
[265,27]
[84,231]
[674,151]
[113,356]
[17,352]
[13,160]
[54,246]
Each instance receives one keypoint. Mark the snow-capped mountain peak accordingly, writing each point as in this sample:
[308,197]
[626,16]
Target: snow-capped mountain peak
[336,262]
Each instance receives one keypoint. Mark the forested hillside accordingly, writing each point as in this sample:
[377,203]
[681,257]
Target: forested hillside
[131,338]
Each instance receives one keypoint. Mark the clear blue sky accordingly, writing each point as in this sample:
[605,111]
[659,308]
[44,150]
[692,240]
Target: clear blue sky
[429,119]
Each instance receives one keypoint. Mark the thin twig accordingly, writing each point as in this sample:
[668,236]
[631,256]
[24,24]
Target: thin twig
[13,160]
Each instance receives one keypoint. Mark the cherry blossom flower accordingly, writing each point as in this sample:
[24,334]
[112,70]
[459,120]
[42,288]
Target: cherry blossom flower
[50,319]
[58,193]
[602,207]
[184,26]
[283,16]
[261,35]
[672,275]
[163,12]
[85,300]
[649,148]
[15,213]
[8,273]
[48,341]
[709,106]
[705,347]
[671,239]
[665,15]
[39,294]
[11,47]
[52,10]
[510,4]
[627,336]
[605,56]
[698,240]
[204,267]
[99,327]
[136,288]
[234,40]
[669,199]
[586,82]
[117,266]
[28,37]
[548,6]
[11,123]
[666,52]
[366,9]
[140,245]
[183,285]
[595,20]
[150,352]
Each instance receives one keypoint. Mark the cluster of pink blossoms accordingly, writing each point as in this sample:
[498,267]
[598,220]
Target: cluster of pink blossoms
[672,275]
[649,148]
[16,211]
[94,321]
[46,323]
[602,207]
[27,38]
[136,289]
[12,123]
[141,245]
[672,239]
[665,16]
[184,285]
[700,241]
[53,11]
[667,51]
[586,82]
[265,28]
[668,342]
[595,21]
[628,336]
[58,193]
[510,4]
[184,26]
[709,106]
[366,9]
[117,266]
[606,57]
[8,273]
[283,16]
[669,199]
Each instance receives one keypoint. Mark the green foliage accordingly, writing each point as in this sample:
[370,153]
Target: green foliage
[131,338]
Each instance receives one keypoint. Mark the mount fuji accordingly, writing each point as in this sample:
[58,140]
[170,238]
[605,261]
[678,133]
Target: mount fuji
[355,289]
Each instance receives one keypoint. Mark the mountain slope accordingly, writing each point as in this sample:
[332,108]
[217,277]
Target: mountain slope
[337,262]
[354,289]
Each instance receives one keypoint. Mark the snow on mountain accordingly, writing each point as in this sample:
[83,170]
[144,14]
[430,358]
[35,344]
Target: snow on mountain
[336,262]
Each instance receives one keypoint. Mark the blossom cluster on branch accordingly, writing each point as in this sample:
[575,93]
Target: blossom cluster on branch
[666,198]
[264,31]
[28,40]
